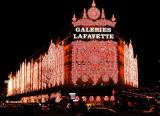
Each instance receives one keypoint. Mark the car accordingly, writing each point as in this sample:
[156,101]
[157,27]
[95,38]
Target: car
[99,112]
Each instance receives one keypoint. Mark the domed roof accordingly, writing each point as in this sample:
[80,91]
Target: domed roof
[93,17]
[93,12]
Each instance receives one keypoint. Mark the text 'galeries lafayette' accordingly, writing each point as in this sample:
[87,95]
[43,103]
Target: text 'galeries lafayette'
[99,60]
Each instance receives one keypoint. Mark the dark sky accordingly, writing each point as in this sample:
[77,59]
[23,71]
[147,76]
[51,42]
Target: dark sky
[27,27]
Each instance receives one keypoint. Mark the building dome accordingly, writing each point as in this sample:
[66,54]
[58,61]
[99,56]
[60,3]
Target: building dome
[93,12]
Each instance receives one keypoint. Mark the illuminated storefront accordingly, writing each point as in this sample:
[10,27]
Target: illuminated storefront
[94,54]
[45,72]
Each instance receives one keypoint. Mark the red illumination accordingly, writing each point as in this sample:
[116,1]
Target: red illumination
[93,14]
[130,66]
[94,59]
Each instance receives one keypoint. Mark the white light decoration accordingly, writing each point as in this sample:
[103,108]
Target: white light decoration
[45,72]
[94,59]
[28,79]
[10,88]
[40,73]
[53,66]
[90,60]
[106,98]
[22,78]
[32,72]
[25,76]
[17,82]
[130,66]
[35,76]
[14,85]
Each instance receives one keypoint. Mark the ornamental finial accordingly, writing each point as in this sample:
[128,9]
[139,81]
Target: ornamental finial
[84,13]
[51,41]
[136,56]
[113,18]
[103,14]
[130,41]
[74,18]
[93,4]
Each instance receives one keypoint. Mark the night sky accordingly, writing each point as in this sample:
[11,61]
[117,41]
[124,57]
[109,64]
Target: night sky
[26,28]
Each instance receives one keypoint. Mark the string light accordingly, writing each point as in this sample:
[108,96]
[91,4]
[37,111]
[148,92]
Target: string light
[94,59]
[130,66]
[46,72]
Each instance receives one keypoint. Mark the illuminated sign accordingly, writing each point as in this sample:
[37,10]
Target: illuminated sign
[93,24]
[93,33]
[72,95]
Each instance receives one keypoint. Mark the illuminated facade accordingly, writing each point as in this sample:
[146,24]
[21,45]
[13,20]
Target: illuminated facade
[102,58]
[130,66]
[45,72]
[94,60]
